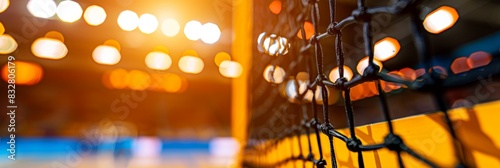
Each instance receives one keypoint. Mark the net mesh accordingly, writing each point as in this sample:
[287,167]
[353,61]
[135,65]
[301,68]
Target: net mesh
[313,87]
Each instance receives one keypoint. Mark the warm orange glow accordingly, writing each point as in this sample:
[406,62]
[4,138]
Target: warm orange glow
[4,4]
[459,65]
[94,15]
[2,28]
[50,47]
[138,80]
[174,83]
[170,27]
[158,60]
[440,19]
[278,76]
[191,64]
[230,69]
[119,78]
[363,63]
[479,59]
[128,20]
[334,74]
[386,49]
[26,73]
[275,6]
[309,30]
[357,92]
[69,11]
[7,44]
[220,57]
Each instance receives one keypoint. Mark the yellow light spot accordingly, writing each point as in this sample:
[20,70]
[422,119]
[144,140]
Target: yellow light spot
[94,15]
[334,74]
[191,64]
[119,78]
[2,29]
[309,30]
[386,49]
[230,69]
[318,95]
[172,83]
[363,63]
[69,11]
[275,7]
[220,57]
[128,20]
[148,23]
[26,73]
[139,80]
[170,27]
[440,19]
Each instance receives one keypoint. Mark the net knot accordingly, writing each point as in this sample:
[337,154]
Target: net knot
[393,142]
[332,29]
[360,14]
[353,144]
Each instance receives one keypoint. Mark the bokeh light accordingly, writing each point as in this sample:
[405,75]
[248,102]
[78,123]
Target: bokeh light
[138,80]
[69,11]
[128,20]
[119,78]
[459,65]
[4,4]
[275,7]
[148,23]
[193,30]
[42,8]
[172,83]
[7,44]
[158,60]
[191,64]
[27,73]
[221,56]
[363,63]
[50,47]
[386,49]
[334,74]
[274,74]
[440,19]
[230,69]
[479,59]
[108,53]
[409,74]
[210,33]
[94,15]
[170,27]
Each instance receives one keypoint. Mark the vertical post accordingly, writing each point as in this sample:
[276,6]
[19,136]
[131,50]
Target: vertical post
[242,53]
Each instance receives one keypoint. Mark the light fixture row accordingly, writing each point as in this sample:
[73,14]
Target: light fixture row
[128,20]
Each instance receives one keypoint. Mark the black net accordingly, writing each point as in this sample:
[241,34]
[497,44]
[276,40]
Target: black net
[307,110]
